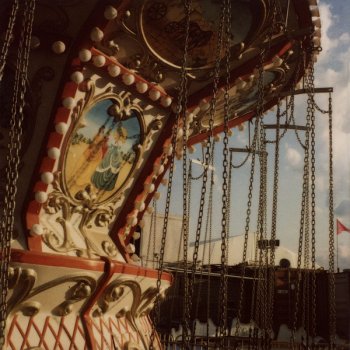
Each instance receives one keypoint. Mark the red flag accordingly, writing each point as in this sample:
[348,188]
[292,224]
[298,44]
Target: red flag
[341,228]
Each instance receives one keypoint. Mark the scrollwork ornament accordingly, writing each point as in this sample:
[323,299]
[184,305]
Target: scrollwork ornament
[60,203]
[133,309]
[131,346]
[22,282]
[146,302]
[109,249]
[79,291]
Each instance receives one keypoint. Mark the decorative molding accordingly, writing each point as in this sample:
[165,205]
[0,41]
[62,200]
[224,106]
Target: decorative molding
[100,216]
[22,283]
[127,300]
[45,304]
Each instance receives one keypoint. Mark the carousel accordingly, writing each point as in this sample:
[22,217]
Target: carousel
[99,100]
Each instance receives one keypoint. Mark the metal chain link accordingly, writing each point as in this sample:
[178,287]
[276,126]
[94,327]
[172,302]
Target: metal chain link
[306,275]
[250,197]
[274,222]
[311,92]
[13,158]
[148,252]
[233,166]
[247,226]
[210,221]
[207,236]
[261,306]
[228,205]
[261,314]
[305,194]
[8,37]
[190,178]
[180,109]
[332,309]
[185,224]
[225,190]
[323,111]
[209,155]
[154,230]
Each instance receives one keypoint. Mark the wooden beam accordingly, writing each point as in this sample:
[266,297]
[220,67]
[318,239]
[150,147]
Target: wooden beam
[289,127]
[243,150]
[305,91]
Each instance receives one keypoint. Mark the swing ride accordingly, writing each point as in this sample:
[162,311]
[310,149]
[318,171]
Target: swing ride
[99,100]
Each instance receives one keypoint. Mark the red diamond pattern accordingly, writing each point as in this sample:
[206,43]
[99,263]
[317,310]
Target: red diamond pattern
[67,333]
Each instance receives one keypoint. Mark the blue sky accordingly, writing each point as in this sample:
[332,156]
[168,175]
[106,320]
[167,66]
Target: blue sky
[332,69]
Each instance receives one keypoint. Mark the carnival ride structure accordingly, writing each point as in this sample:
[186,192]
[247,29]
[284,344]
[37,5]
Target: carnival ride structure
[98,100]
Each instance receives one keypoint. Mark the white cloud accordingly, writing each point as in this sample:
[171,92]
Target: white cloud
[333,69]
[321,183]
[344,38]
[343,209]
[327,20]
[293,157]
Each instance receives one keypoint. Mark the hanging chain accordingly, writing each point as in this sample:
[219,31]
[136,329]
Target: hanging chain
[208,156]
[254,147]
[13,159]
[261,306]
[260,313]
[323,111]
[311,91]
[304,202]
[228,217]
[306,274]
[210,221]
[233,166]
[185,179]
[225,190]
[247,226]
[148,253]
[307,225]
[207,238]
[292,117]
[9,37]
[274,222]
[180,109]
[332,310]
[175,291]
[262,298]
[154,216]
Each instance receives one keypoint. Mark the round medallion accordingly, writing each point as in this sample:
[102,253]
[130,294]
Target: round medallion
[102,151]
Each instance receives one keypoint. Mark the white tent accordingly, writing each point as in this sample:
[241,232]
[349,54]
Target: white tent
[150,246]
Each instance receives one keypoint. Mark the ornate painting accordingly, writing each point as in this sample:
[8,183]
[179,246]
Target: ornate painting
[103,149]
[163,25]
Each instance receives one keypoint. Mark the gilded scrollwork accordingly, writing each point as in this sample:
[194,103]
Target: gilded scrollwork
[126,299]
[80,291]
[147,301]
[23,281]
[59,202]
[121,290]
[131,346]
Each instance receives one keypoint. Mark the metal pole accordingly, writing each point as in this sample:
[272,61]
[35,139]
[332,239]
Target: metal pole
[337,253]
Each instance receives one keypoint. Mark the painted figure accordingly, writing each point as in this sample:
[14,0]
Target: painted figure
[106,174]
[90,159]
